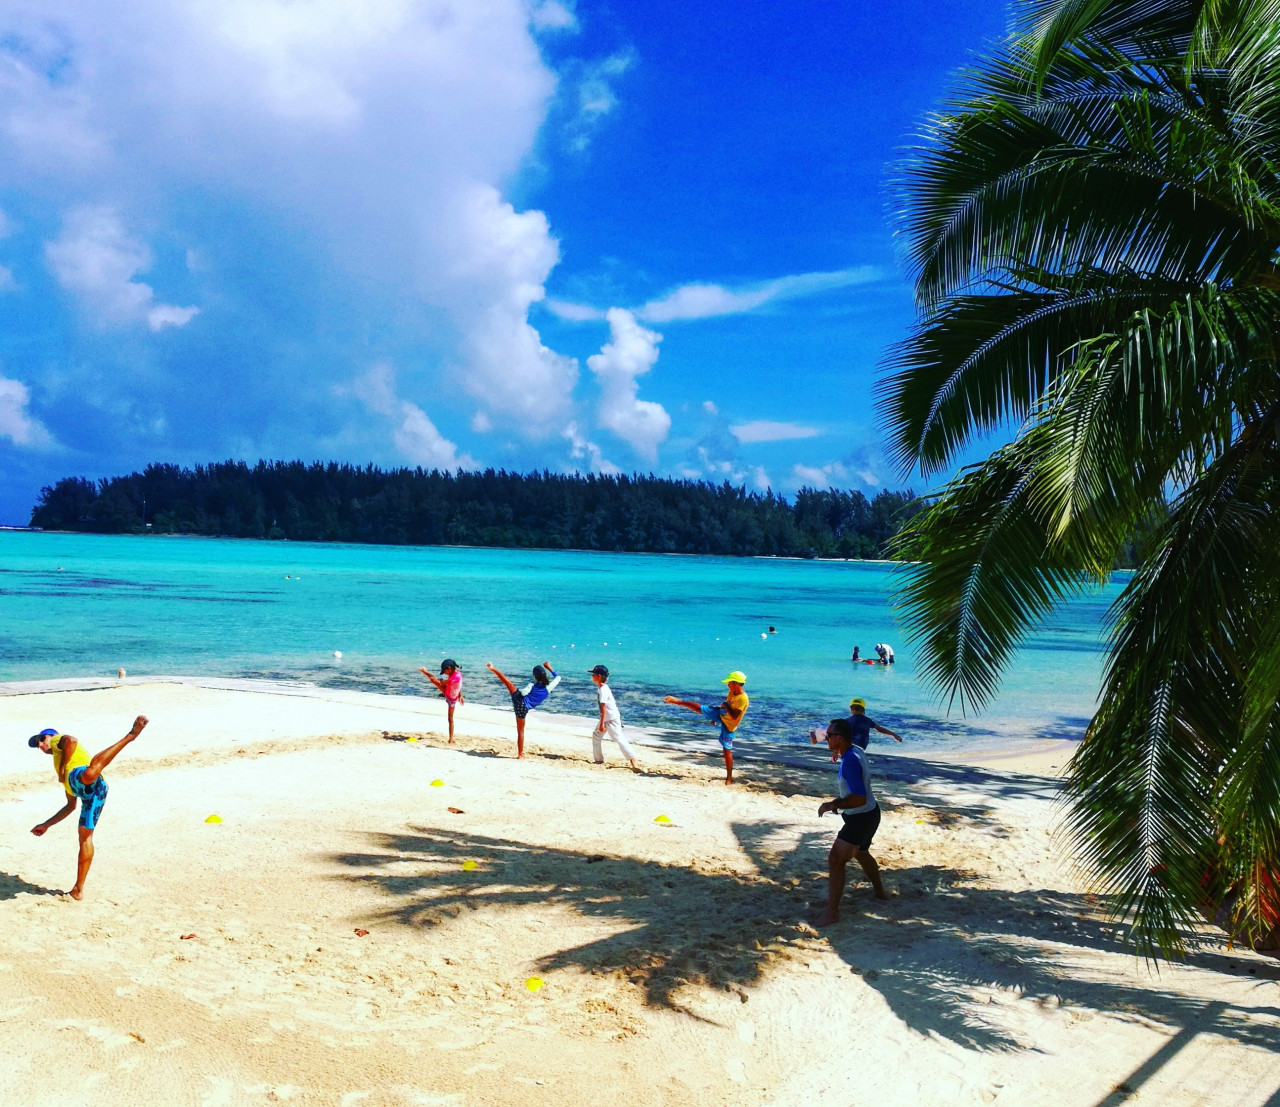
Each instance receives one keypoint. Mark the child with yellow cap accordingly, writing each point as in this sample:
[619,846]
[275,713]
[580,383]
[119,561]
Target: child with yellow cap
[859,725]
[728,714]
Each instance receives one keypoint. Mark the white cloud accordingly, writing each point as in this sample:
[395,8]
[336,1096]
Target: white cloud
[498,261]
[552,16]
[415,436]
[595,95]
[850,471]
[581,449]
[702,301]
[370,137]
[706,301]
[7,283]
[766,430]
[16,422]
[95,258]
[709,406]
[574,313]
[630,353]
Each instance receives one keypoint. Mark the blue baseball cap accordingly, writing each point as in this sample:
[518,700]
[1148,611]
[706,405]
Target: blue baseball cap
[35,739]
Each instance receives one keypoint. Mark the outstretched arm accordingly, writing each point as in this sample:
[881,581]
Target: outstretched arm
[68,807]
[502,677]
[433,678]
[882,730]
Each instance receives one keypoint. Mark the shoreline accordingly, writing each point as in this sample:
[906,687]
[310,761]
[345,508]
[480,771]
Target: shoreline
[1034,756]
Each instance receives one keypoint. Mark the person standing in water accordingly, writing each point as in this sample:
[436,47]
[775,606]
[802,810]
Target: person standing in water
[449,684]
[81,777]
[532,695]
[728,714]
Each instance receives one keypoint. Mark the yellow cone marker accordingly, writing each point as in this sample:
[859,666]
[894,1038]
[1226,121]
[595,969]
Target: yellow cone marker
[214,819]
[468,865]
[411,739]
[437,784]
[662,819]
[534,983]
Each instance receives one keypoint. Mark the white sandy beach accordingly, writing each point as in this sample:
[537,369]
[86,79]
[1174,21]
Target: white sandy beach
[220,963]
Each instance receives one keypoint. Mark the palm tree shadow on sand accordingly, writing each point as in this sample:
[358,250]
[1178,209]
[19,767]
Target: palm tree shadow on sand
[937,951]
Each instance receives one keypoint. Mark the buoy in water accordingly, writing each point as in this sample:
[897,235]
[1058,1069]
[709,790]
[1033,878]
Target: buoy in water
[337,654]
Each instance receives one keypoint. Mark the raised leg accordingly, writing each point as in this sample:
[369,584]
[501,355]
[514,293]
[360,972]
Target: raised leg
[695,707]
[502,677]
[103,758]
[83,861]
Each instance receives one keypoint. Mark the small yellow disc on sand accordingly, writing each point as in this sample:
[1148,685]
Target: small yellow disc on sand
[662,819]
[437,784]
[534,983]
[411,739]
[214,819]
[468,865]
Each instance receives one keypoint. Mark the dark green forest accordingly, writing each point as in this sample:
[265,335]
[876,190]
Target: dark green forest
[344,503]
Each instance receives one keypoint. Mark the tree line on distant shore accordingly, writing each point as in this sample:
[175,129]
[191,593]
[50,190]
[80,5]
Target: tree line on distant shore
[345,503]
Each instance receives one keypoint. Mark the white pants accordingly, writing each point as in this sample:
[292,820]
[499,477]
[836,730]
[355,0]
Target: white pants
[614,731]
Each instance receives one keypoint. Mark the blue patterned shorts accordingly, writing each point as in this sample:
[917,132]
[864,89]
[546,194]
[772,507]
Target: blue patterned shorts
[91,798]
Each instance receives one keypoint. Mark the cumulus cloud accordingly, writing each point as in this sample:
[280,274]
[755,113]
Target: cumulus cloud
[96,259]
[766,430]
[16,422]
[305,154]
[627,356]
[862,466]
[498,260]
[415,436]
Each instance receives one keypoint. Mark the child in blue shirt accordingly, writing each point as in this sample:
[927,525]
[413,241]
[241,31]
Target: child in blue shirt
[524,700]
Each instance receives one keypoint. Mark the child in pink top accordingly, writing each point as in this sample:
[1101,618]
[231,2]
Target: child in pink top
[449,684]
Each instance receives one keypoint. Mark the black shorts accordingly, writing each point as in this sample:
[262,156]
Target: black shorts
[518,704]
[858,830]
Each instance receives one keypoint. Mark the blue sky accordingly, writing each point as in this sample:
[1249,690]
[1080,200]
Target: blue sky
[457,232]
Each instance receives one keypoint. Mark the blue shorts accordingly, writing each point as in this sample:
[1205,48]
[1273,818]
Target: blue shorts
[91,798]
[725,735]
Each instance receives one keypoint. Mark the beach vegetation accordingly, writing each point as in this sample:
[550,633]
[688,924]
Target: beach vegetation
[332,502]
[1093,224]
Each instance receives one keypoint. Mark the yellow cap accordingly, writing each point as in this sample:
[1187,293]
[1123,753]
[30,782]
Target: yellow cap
[737,676]
[858,703]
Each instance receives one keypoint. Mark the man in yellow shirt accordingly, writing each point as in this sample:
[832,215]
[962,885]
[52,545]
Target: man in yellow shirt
[728,714]
[81,777]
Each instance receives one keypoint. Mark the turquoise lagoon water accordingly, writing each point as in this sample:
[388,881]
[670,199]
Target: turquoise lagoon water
[84,605]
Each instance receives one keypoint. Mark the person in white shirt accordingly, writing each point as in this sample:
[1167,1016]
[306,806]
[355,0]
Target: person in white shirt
[610,720]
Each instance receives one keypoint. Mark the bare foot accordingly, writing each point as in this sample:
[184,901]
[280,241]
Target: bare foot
[728,780]
[451,741]
[670,699]
[520,757]
[827,919]
[76,893]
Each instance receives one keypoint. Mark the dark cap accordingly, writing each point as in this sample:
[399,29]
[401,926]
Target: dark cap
[35,739]
[448,663]
[600,670]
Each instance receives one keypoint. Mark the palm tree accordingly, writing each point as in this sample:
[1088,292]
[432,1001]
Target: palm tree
[1093,224]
